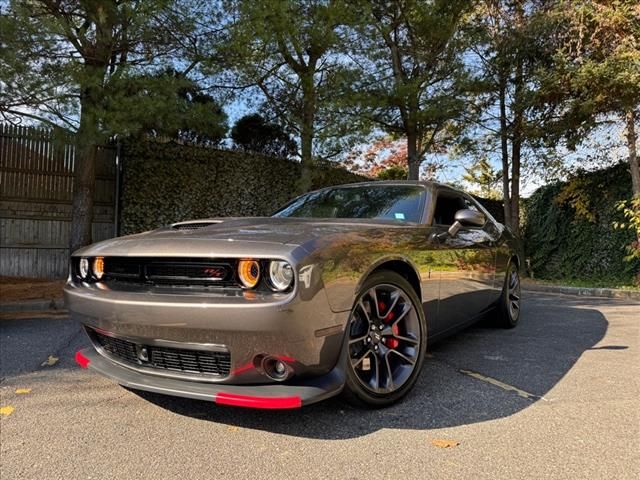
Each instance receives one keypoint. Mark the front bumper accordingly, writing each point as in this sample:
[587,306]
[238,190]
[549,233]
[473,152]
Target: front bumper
[274,396]
[299,327]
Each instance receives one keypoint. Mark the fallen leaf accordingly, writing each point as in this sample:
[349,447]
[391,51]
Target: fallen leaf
[8,410]
[233,429]
[440,443]
[49,361]
[23,391]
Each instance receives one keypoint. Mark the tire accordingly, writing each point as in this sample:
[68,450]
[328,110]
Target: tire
[510,300]
[385,347]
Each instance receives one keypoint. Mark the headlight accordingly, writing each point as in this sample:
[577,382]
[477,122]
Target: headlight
[249,273]
[280,275]
[98,267]
[83,268]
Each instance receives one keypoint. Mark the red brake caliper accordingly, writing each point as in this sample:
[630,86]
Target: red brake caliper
[390,342]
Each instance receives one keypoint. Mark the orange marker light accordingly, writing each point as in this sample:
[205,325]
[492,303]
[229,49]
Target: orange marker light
[249,273]
[98,267]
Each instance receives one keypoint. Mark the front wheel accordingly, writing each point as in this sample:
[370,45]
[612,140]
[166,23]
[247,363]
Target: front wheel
[387,339]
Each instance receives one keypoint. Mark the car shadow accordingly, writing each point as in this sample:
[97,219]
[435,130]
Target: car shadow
[477,375]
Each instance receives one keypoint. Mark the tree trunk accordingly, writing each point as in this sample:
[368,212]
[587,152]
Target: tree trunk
[504,150]
[517,131]
[84,179]
[516,149]
[307,132]
[412,155]
[87,139]
[633,152]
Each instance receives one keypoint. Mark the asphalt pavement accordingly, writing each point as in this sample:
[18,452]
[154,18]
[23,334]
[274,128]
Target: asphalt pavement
[557,397]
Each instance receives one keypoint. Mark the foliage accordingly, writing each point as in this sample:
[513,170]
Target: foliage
[411,79]
[61,61]
[380,155]
[509,41]
[596,66]
[516,80]
[569,229]
[289,51]
[72,64]
[166,183]
[252,133]
[386,158]
[395,172]
[485,177]
[631,211]
[178,109]
[594,75]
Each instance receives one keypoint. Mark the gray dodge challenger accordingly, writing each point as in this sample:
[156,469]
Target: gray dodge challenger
[340,291]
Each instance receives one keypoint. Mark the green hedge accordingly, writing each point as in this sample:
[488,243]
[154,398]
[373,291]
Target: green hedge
[569,233]
[166,183]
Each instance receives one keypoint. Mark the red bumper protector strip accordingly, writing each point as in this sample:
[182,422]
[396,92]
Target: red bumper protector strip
[82,360]
[284,358]
[257,402]
[243,368]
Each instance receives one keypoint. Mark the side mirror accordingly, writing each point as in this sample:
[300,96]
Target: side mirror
[466,218]
[470,218]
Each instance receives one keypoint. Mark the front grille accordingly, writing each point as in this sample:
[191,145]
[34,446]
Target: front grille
[164,358]
[206,272]
[170,271]
[122,268]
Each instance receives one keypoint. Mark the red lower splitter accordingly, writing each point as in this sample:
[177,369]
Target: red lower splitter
[82,360]
[257,402]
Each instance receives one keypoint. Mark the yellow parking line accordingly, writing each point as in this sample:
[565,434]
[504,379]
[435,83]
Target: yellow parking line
[502,385]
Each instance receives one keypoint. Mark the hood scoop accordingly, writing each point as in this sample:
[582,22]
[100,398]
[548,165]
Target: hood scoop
[194,225]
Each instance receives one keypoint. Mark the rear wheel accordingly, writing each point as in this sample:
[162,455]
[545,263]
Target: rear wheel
[386,341]
[510,299]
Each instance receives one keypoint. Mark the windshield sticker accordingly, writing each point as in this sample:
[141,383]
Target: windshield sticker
[399,216]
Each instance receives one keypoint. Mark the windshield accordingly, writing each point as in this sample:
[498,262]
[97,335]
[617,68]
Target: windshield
[390,202]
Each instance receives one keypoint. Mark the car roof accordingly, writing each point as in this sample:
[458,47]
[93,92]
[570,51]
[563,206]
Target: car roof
[424,183]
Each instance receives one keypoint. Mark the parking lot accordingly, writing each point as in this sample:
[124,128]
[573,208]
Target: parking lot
[558,397]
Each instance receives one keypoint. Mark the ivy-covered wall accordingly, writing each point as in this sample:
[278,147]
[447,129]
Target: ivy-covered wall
[569,232]
[166,183]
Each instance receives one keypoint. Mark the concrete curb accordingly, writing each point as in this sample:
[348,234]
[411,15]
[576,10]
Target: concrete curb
[583,291]
[32,305]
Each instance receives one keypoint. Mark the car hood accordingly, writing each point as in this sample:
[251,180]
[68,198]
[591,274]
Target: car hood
[231,236]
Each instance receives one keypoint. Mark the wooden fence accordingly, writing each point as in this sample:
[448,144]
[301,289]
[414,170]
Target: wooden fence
[36,187]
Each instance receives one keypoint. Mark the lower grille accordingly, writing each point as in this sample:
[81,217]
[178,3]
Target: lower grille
[163,358]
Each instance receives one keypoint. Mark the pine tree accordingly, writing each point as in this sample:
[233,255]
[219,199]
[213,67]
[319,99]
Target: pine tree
[485,177]
[413,82]
[76,65]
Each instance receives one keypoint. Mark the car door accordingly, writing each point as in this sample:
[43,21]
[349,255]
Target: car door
[467,262]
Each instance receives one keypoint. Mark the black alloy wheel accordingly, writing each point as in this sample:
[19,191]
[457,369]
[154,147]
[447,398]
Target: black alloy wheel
[386,341]
[510,301]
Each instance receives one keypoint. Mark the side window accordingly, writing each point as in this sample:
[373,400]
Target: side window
[492,226]
[469,205]
[477,206]
[447,204]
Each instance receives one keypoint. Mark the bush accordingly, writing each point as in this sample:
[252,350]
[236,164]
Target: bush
[569,229]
